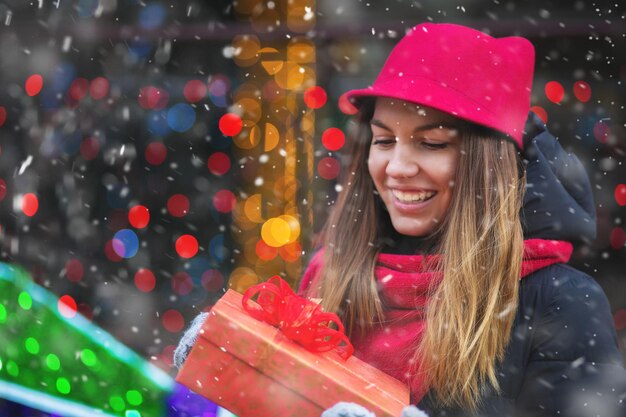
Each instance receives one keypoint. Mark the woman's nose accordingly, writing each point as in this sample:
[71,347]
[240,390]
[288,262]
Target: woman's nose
[402,163]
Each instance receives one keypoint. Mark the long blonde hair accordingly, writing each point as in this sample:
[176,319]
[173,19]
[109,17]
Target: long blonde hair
[471,311]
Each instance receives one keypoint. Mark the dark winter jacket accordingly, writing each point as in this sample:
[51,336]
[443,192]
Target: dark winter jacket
[563,358]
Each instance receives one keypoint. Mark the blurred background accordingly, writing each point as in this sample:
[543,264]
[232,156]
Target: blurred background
[155,153]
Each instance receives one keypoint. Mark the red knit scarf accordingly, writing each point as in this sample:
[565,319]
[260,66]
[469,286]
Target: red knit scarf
[404,283]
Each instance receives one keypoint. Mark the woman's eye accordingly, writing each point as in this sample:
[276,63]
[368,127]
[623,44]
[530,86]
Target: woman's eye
[434,145]
[383,142]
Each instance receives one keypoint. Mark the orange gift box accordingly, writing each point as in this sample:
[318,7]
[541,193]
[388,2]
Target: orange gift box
[250,368]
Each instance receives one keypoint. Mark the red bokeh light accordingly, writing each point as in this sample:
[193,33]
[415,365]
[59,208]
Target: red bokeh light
[620,194]
[541,112]
[78,89]
[110,253]
[3,115]
[182,283]
[85,310]
[582,91]
[230,124]
[155,153]
[30,204]
[139,216]
[618,238]
[34,84]
[224,201]
[333,139]
[145,280]
[554,91]
[153,98]
[218,163]
[173,321]
[89,148]
[74,270]
[3,189]
[345,106]
[99,88]
[178,205]
[186,246]
[328,168]
[619,319]
[67,306]
[194,91]
[264,251]
[290,252]
[315,97]
[601,131]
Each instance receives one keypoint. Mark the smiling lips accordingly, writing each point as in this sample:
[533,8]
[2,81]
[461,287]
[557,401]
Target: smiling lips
[412,196]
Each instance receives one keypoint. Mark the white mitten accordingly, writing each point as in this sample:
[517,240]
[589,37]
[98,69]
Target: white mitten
[344,409]
[188,340]
[413,411]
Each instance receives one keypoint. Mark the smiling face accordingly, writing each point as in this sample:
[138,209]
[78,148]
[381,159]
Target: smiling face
[412,161]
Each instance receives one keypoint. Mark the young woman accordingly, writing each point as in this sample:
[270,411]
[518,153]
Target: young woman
[445,254]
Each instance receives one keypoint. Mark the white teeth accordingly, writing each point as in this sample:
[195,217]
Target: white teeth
[409,197]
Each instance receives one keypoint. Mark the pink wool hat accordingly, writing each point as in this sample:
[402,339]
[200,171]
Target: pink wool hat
[460,71]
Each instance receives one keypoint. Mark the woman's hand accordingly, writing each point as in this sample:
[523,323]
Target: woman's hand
[344,409]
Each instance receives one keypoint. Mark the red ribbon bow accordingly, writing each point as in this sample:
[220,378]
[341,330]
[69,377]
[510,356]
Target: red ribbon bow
[301,320]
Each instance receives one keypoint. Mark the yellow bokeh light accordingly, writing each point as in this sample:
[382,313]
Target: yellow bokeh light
[301,51]
[294,227]
[301,15]
[248,138]
[249,110]
[272,137]
[246,48]
[276,232]
[272,67]
[242,278]
[252,208]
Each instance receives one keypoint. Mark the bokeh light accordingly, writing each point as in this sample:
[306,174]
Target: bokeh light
[178,205]
[218,163]
[182,283]
[224,201]
[125,243]
[74,270]
[155,153]
[194,91]
[212,280]
[328,168]
[173,321]
[89,148]
[181,117]
[153,98]
[186,246]
[30,204]
[34,84]
[144,279]
[333,139]
[67,306]
[79,89]
[230,124]
[540,112]
[315,97]
[345,106]
[582,91]
[99,88]
[554,91]
[620,194]
[139,216]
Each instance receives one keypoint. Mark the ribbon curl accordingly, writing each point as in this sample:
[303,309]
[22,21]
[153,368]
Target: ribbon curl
[299,319]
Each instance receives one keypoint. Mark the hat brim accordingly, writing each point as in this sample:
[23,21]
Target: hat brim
[429,93]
